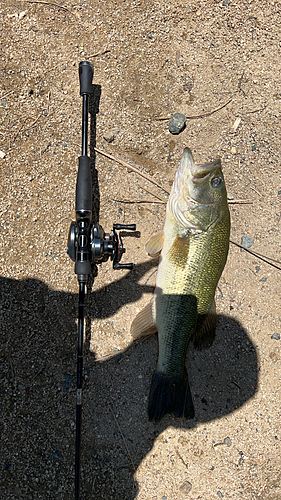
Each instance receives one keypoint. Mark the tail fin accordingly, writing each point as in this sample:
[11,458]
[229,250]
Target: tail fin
[169,395]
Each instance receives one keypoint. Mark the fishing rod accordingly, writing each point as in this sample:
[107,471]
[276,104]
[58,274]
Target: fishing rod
[88,244]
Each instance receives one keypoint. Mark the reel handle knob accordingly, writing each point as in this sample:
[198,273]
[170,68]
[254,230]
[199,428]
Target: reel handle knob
[116,266]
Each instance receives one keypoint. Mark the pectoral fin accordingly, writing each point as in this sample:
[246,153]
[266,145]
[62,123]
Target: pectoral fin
[144,323]
[155,245]
[205,332]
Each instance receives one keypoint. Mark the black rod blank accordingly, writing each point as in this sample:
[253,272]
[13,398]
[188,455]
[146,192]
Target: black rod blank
[79,387]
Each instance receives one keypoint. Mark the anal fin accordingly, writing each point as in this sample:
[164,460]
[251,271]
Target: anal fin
[144,323]
[205,331]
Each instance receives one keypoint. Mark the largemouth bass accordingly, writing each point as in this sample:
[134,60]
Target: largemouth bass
[193,250]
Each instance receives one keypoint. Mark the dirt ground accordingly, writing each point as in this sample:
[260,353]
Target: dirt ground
[151,59]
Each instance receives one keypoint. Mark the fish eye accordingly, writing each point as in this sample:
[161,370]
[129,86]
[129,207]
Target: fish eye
[216,181]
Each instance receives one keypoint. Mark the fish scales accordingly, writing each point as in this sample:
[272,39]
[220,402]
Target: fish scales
[196,279]
[194,247]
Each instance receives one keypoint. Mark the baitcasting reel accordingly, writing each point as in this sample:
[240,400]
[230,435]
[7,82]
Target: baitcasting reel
[101,245]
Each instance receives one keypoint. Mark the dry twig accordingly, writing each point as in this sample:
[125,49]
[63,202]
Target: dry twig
[264,258]
[208,113]
[134,169]
[153,194]
[133,202]
[241,202]
[21,129]
[122,435]
[49,3]
[99,53]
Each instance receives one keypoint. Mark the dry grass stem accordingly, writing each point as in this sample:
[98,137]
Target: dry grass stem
[22,129]
[122,435]
[130,167]
[256,191]
[139,201]
[208,113]
[242,202]
[48,3]
[153,194]
[264,258]
[99,53]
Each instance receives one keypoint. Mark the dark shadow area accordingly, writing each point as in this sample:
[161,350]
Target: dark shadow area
[38,393]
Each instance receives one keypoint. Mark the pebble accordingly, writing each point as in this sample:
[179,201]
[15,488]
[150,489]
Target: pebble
[2,154]
[185,487]
[247,242]
[109,136]
[177,123]
[233,150]
[67,381]
[220,494]
[275,336]
[227,441]
[17,491]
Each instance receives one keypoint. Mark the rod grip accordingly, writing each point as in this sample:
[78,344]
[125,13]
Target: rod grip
[84,185]
[85,77]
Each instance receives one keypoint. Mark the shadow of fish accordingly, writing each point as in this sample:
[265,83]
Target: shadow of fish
[193,250]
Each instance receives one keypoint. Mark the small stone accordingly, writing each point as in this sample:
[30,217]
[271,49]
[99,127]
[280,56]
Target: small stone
[185,487]
[225,2]
[188,86]
[275,336]
[233,150]
[220,494]
[247,242]
[109,136]
[17,491]
[177,123]
[2,155]
[227,441]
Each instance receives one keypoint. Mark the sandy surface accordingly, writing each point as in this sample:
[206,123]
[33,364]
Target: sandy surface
[150,59]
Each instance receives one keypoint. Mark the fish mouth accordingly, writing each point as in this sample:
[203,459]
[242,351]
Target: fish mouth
[200,172]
